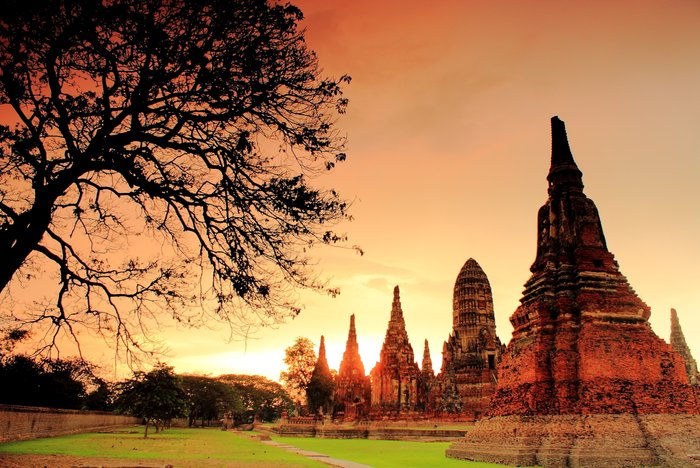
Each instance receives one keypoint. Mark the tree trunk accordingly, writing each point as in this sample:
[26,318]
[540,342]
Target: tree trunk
[20,239]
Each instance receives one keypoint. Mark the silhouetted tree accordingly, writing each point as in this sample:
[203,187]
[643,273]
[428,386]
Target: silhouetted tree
[209,399]
[21,377]
[196,124]
[156,396]
[55,383]
[261,397]
[300,359]
[100,398]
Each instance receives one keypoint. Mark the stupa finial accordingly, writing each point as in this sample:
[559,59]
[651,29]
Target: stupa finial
[563,171]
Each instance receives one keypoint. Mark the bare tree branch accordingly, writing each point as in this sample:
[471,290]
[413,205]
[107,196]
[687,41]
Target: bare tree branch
[193,127]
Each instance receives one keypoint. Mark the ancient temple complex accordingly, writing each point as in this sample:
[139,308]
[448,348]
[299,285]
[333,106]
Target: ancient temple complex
[394,379]
[472,352]
[681,347]
[584,380]
[352,385]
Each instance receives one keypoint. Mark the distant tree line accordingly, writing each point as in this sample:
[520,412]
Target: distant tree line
[156,396]
[69,384]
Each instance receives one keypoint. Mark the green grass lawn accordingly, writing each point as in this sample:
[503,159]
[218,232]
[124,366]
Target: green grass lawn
[172,444]
[384,453]
[217,448]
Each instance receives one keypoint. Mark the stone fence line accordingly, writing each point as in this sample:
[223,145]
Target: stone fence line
[29,422]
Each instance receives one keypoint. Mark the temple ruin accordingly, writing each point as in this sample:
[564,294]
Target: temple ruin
[472,351]
[394,379]
[353,392]
[584,380]
[398,389]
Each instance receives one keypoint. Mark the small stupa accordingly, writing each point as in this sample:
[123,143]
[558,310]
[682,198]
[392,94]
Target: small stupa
[319,391]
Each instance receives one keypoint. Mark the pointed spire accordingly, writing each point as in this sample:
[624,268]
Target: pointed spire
[322,348]
[319,391]
[677,338]
[322,362]
[427,366]
[675,324]
[561,152]
[351,356]
[563,171]
[396,312]
[681,347]
[352,334]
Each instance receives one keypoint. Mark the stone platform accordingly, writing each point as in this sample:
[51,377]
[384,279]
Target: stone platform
[600,440]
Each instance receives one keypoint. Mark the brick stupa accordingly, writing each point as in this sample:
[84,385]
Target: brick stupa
[352,385]
[395,377]
[319,391]
[584,380]
[426,379]
[471,352]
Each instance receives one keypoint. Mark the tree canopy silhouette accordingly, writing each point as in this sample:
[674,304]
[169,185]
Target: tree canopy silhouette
[156,396]
[158,153]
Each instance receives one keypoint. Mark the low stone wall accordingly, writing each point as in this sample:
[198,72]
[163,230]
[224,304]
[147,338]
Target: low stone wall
[331,431]
[28,422]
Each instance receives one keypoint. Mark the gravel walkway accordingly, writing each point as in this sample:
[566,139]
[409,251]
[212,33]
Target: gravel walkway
[316,456]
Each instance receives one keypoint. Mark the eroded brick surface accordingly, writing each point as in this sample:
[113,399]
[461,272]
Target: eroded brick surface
[394,379]
[472,352]
[582,342]
[352,394]
[584,372]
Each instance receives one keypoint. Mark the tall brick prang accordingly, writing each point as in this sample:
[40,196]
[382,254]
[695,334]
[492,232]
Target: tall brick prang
[352,385]
[472,352]
[581,341]
[583,363]
[394,378]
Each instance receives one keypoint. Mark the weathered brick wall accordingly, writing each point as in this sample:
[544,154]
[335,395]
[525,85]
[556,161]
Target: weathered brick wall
[593,440]
[28,422]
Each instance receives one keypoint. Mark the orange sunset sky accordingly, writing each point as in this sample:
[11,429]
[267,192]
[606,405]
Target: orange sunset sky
[449,146]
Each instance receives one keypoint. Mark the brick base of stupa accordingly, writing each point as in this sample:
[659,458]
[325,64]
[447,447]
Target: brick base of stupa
[593,440]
